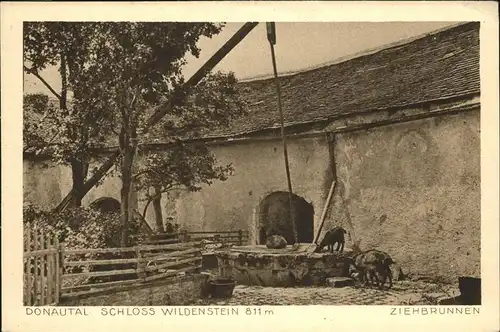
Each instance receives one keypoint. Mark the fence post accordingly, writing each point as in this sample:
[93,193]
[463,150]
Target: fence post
[35,266]
[58,269]
[43,265]
[61,268]
[141,273]
[50,270]
[27,286]
[184,236]
[240,237]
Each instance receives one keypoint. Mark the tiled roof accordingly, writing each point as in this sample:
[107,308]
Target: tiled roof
[439,65]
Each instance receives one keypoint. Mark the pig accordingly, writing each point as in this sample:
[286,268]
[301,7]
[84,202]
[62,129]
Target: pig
[334,235]
[372,265]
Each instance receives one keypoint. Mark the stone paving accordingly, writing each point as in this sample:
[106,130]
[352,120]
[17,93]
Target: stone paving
[402,293]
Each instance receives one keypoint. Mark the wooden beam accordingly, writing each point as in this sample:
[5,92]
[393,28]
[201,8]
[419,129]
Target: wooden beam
[272,40]
[325,210]
[205,69]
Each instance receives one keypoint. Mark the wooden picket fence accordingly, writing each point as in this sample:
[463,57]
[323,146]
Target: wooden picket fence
[52,272]
[42,268]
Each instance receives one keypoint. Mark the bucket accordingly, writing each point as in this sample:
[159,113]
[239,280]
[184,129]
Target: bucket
[222,288]
[470,290]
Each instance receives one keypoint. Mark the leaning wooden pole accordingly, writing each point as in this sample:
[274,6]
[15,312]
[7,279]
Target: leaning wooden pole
[164,109]
[325,210]
[271,35]
[330,140]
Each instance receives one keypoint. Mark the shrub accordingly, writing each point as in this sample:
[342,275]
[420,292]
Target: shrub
[79,228]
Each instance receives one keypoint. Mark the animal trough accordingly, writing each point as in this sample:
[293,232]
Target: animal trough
[222,288]
[260,266]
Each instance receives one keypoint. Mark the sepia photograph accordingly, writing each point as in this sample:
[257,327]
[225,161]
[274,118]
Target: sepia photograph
[251,163]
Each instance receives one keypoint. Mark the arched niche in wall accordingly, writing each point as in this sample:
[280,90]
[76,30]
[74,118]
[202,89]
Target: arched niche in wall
[274,218]
[106,205]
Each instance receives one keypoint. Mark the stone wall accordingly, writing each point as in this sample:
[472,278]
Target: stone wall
[259,171]
[258,266]
[46,184]
[413,190]
[179,291]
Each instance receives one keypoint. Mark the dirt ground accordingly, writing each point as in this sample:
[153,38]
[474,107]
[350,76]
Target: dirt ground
[402,293]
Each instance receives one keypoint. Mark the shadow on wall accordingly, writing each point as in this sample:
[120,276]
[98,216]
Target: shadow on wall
[274,218]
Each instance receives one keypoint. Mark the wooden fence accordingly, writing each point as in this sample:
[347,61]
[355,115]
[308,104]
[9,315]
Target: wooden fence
[42,268]
[238,237]
[115,267]
[51,271]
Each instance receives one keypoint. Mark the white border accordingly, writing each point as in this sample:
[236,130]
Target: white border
[312,318]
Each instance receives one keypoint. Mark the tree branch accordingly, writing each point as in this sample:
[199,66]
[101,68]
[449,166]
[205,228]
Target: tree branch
[114,131]
[166,107]
[34,72]
[136,176]
[158,195]
[150,199]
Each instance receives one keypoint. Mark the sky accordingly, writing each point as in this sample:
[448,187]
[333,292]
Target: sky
[299,46]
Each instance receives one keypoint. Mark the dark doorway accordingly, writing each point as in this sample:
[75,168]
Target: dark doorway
[106,205]
[274,218]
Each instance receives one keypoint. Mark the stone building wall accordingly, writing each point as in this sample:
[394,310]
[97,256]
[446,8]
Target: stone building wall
[411,189]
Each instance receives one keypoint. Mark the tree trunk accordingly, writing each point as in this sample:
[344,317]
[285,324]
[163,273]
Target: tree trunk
[125,196]
[127,152]
[79,173]
[157,209]
[128,145]
[64,83]
[79,168]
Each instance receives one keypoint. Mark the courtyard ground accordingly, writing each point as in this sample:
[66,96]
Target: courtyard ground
[402,293]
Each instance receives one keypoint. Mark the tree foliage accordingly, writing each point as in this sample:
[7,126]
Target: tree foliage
[186,166]
[37,133]
[119,73]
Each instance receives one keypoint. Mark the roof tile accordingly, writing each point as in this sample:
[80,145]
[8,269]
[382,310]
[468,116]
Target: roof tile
[440,65]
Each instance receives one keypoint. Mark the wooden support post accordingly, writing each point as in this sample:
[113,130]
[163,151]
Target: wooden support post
[325,210]
[330,140]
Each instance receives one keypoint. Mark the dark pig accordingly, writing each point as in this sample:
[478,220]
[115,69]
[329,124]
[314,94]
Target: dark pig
[333,236]
[372,265]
